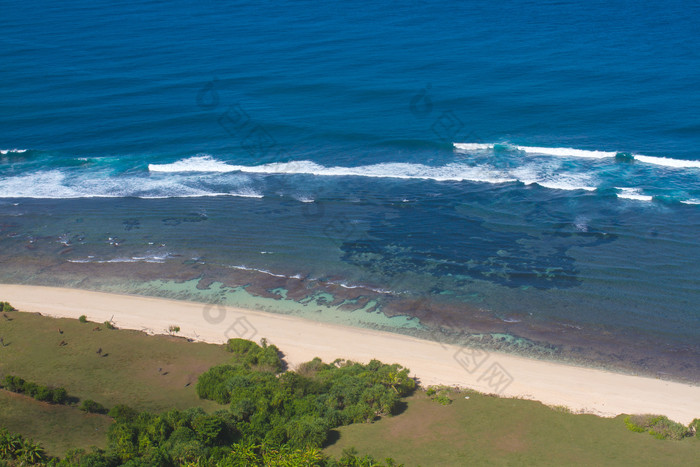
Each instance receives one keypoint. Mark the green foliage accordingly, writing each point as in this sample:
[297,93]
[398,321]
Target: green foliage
[173,329]
[123,413]
[249,354]
[241,346]
[83,319]
[439,394]
[658,426]
[5,306]
[38,392]
[351,458]
[694,427]
[300,408]
[109,325]
[82,458]
[90,406]
[13,446]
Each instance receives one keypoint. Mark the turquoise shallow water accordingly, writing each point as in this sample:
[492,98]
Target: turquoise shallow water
[449,171]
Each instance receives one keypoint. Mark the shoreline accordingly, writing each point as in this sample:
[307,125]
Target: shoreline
[581,389]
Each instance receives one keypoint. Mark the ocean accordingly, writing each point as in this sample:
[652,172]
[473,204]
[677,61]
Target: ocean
[521,177]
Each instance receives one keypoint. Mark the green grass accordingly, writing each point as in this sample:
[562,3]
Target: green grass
[127,373]
[484,430]
[146,372]
[57,427]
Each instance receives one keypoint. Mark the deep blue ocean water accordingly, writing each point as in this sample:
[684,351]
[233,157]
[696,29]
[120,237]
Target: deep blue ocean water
[524,175]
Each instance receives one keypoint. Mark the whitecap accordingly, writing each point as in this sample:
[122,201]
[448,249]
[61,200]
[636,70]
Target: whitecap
[633,193]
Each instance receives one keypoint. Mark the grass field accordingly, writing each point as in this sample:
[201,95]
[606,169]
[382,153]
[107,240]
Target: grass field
[484,430]
[153,373]
[157,373]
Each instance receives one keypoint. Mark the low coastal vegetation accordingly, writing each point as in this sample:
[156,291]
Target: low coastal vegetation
[173,402]
[661,427]
[38,392]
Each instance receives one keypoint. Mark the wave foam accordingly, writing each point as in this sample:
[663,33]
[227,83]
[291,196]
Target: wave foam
[456,171]
[667,162]
[17,151]
[198,163]
[265,271]
[400,170]
[472,146]
[633,193]
[583,153]
[54,184]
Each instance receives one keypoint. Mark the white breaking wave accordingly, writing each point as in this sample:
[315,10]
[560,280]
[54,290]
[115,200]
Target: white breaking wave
[566,152]
[54,184]
[402,170]
[691,201]
[198,163]
[560,152]
[633,193]
[667,162]
[472,146]
[583,153]
[544,176]
[18,151]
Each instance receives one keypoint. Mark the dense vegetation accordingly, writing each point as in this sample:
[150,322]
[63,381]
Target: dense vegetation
[16,447]
[4,306]
[300,408]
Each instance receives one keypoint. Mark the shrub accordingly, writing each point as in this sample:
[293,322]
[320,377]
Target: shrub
[83,319]
[658,426]
[694,427]
[439,394]
[90,406]
[44,394]
[5,306]
[14,383]
[30,389]
[249,354]
[109,325]
[241,346]
[174,329]
[59,396]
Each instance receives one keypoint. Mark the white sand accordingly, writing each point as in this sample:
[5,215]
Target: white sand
[581,389]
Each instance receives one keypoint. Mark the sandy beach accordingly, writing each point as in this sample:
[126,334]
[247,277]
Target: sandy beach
[581,389]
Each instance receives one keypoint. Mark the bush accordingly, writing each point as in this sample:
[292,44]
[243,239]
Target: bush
[14,383]
[694,427]
[241,346]
[60,396]
[90,406]
[249,354]
[439,394]
[83,319]
[5,306]
[658,426]
[109,325]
